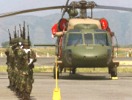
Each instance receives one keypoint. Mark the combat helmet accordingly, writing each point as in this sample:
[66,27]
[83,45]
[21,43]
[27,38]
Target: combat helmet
[11,42]
[26,42]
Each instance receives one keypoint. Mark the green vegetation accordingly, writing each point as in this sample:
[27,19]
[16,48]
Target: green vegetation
[43,51]
[50,51]
[104,70]
[40,51]
[43,69]
[3,68]
[40,69]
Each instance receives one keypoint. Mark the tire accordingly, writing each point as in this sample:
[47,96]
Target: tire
[112,70]
[73,71]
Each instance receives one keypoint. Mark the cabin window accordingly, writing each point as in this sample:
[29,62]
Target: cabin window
[63,40]
[88,38]
[74,39]
[101,38]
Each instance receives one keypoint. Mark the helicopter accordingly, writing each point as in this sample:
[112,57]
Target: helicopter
[82,41]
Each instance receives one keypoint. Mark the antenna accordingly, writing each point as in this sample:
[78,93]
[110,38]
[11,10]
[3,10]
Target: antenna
[9,35]
[24,33]
[28,37]
[20,30]
[18,33]
[15,35]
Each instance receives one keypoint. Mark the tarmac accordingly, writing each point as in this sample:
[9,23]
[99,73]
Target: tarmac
[81,86]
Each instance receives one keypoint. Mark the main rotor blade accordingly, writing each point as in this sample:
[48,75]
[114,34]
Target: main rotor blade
[30,10]
[113,8]
[67,2]
[65,9]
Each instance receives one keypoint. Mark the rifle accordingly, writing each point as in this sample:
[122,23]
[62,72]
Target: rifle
[9,36]
[28,35]
[28,44]
[24,33]
[15,35]
[20,31]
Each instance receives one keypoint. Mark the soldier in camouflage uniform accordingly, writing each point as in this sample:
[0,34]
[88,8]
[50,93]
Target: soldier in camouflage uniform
[20,61]
[10,63]
[26,57]
[17,65]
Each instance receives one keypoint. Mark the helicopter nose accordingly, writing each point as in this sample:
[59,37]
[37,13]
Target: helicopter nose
[92,57]
[89,56]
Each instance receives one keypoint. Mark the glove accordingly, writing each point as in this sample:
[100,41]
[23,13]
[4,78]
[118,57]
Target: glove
[30,61]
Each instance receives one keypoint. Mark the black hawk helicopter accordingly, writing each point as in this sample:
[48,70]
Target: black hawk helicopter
[82,41]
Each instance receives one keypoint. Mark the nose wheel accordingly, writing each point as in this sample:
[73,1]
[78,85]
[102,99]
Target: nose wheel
[73,71]
[113,70]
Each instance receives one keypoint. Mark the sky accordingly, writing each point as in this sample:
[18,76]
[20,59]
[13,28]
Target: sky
[16,5]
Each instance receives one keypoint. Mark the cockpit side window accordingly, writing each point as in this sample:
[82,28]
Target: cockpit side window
[63,40]
[88,38]
[101,38]
[74,39]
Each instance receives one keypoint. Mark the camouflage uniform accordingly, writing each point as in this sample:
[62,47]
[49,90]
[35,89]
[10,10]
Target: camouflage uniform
[17,67]
[10,64]
[26,57]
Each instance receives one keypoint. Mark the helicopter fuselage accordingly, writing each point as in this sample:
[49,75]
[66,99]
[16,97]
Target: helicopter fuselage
[86,47]
[84,43]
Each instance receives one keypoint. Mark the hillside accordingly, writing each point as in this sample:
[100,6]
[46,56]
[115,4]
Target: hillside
[40,27]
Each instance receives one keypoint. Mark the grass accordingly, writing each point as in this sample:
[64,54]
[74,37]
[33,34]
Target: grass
[3,68]
[40,69]
[40,51]
[44,51]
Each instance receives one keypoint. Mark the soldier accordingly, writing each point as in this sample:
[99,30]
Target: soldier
[10,62]
[17,64]
[27,58]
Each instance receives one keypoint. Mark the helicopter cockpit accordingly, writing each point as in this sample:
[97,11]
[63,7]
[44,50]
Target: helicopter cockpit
[93,38]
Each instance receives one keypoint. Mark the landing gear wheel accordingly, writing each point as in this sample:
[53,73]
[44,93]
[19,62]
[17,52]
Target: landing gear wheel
[54,72]
[113,71]
[73,71]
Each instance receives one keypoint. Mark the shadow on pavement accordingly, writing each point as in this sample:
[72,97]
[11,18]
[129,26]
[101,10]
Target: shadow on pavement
[84,77]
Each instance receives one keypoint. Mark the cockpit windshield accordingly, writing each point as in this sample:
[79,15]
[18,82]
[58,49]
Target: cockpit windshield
[101,38]
[74,39]
[96,38]
[88,38]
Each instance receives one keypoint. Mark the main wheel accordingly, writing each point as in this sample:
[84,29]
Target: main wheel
[112,70]
[73,71]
